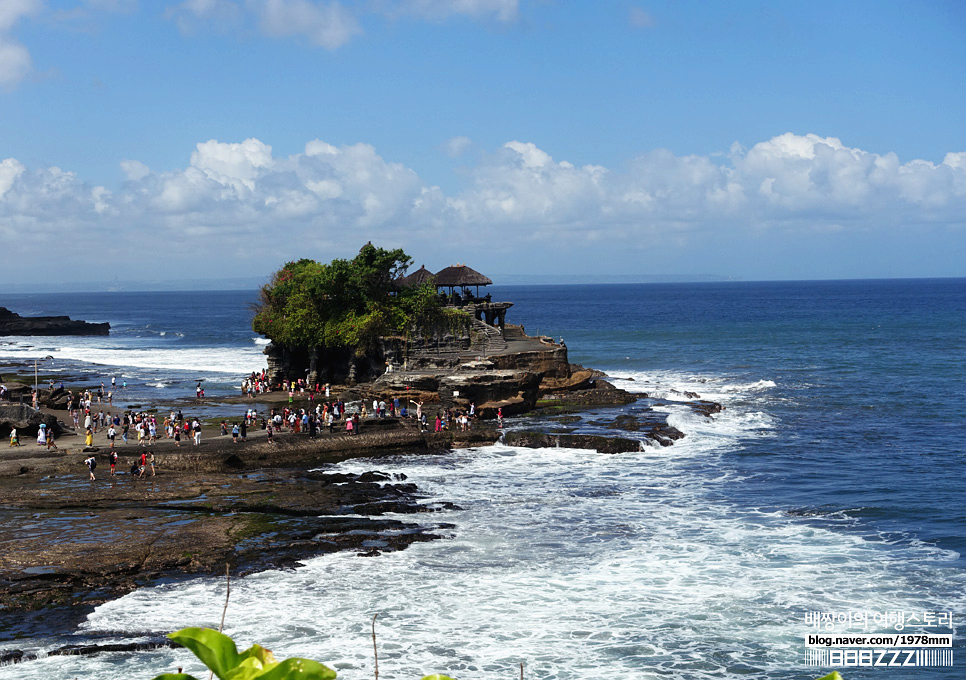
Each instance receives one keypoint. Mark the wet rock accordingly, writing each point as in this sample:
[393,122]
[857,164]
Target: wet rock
[665,435]
[706,408]
[539,440]
[88,650]
[14,656]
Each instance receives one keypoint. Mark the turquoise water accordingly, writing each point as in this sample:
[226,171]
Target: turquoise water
[831,482]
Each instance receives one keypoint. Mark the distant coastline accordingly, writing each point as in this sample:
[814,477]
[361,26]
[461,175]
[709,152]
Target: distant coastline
[512,280]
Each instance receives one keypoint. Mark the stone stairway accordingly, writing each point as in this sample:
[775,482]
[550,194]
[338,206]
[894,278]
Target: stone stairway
[488,339]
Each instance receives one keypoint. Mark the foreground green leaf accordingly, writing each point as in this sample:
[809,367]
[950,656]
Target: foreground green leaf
[216,650]
[303,669]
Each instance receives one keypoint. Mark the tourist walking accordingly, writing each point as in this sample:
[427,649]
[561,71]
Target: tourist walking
[91,463]
[42,435]
[14,441]
[113,459]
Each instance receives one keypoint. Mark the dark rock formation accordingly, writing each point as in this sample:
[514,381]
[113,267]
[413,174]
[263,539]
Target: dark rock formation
[539,440]
[14,324]
[590,392]
[26,420]
[707,407]
[665,435]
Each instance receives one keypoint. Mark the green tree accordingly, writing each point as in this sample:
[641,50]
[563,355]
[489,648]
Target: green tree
[349,304]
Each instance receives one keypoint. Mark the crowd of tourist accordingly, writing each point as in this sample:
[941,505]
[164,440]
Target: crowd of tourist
[91,412]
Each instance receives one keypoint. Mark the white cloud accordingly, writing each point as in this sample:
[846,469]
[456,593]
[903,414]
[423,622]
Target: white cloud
[457,146]
[10,170]
[438,10]
[328,25]
[325,24]
[15,61]
[12,11]
[135,170]
[274,208]
[191,16]
[235,165]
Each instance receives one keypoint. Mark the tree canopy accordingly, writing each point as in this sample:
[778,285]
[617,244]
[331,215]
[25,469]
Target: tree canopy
[346,303]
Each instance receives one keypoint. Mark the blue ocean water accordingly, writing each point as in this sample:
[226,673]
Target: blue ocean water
[869,387]
[831,483]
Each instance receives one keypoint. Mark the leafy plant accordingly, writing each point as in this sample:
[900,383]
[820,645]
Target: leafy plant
[349,303]
[219,653]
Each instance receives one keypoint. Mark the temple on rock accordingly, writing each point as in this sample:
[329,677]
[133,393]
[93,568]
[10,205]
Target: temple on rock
[468,281]
[474,357]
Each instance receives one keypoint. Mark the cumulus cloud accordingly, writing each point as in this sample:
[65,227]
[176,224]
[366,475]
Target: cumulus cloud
[234,195]
[10,170]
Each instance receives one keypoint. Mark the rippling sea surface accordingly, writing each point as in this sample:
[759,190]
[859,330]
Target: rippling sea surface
[832,482]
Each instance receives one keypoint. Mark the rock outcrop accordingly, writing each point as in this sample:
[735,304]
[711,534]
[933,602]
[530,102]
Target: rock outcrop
[26,420]
[490,389]
[542,440]
[12,323]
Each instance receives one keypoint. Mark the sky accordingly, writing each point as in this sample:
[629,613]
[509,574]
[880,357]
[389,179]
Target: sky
[171,141]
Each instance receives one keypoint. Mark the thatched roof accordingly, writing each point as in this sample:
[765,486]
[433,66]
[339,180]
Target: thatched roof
[461,275]
[417,278]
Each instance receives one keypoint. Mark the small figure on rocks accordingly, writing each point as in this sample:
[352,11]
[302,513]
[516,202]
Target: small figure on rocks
[91,463]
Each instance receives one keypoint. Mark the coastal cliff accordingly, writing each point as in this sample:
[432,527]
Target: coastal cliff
[12,323]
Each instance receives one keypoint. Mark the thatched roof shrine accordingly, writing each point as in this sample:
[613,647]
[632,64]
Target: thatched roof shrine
[417,278]
[461,275]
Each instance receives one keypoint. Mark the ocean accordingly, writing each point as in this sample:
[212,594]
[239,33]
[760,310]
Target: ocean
[831,485]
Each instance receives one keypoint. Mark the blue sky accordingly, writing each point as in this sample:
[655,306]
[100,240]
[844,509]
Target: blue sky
[222,138]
